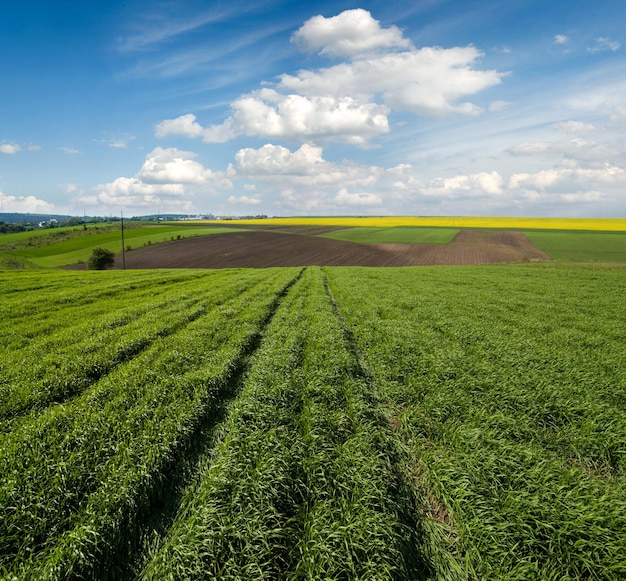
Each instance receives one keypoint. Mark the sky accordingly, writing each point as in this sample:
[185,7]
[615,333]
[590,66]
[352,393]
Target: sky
[291,108]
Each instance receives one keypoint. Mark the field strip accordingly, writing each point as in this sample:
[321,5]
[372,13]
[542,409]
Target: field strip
[304,483]
[78,477]
[507,223]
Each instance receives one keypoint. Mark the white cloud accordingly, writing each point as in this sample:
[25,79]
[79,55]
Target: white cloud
[188,126]
[584,197]
[574,127]
[351,33]
[25,204]
[168,179]
[68,150]
[269,114]
[569,178]
[305,167]
[244,201]
[483,184]
[10,148]
[560,39]
[34,148]
[171,165]
[119,141]
[604,44]
[345,198]
[428,81]
[277,160]
[351,101]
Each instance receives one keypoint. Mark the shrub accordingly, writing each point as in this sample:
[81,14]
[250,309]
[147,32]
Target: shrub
[101,259]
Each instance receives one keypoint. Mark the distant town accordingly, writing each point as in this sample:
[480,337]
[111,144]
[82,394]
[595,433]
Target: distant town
[21,222]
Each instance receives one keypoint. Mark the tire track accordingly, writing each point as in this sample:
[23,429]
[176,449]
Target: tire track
[427,525]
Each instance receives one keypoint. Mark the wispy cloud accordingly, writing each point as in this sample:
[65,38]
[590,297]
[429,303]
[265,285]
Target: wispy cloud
[604,44]
[117,141]
[560,39]
[68,150]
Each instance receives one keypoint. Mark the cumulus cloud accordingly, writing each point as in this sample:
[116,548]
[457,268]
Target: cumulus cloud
[560,39]
[10,148]
[171,165]
[277,160]
[303,167]
[30,204]
[168,179]
[268,114]
[604,44]
[350,102]
[351,33]
[428,81]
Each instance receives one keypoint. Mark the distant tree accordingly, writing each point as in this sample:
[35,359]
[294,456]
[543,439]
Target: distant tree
[100,259]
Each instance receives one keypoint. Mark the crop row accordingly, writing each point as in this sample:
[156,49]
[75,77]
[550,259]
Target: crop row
[74,477]
[509,386]
[339,423]
[90,344]
[306,481]
[36,304]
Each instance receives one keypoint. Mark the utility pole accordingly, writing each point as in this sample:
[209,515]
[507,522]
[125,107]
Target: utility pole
[123,254]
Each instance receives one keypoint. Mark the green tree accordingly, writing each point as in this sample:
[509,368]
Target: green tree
[100,259]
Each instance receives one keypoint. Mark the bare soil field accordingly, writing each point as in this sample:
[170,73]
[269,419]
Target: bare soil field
[263,249]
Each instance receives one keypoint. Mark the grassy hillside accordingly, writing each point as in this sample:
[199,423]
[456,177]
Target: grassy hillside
[62,246]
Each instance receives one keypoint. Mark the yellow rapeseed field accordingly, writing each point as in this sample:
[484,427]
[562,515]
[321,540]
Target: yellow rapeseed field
[597,224]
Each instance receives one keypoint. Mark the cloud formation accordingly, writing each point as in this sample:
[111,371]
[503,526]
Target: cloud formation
[349,34]
[30,204]
[350,102]
[10,148]
[168,179]
[604,44]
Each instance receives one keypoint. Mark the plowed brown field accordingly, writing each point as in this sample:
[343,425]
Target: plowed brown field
[262,249]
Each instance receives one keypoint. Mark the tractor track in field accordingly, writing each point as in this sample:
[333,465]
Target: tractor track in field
[171,486]
[429,526]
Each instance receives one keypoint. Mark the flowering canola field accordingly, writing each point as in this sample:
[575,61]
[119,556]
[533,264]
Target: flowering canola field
[596,224]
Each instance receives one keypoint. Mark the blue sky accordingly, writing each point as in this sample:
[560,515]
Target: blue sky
[427,107]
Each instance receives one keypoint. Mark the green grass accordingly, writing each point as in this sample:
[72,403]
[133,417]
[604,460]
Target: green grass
[508,384]
[78,249]
[399,235]
[609,247]
[432,423]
